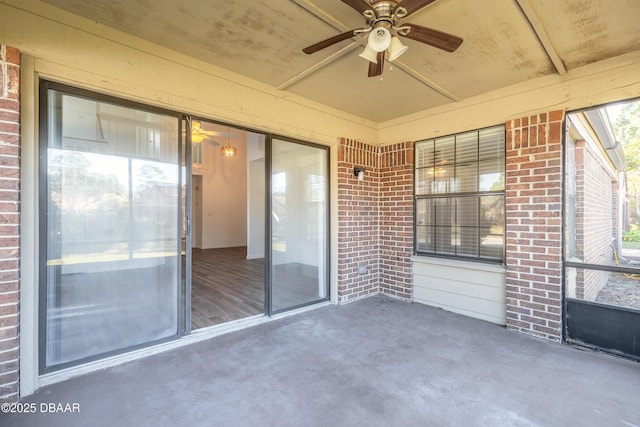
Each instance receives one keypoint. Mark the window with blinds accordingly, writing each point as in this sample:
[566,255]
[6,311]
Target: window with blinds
[459,195]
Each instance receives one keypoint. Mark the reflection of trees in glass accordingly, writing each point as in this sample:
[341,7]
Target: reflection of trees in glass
[492,210]
[155,195]
[91,206]
[151,172]
[92,210]
[149,182]
[499,184]
[492,213]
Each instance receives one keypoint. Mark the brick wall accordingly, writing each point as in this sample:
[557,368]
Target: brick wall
[533,189]
[375,220]
[9,221]
[396,220]
[358,221]
[594,221]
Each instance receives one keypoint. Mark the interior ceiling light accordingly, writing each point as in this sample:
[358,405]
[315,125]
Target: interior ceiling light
[382,20]
[228,150]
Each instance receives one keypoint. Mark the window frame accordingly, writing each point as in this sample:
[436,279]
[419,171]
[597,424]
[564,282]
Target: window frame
[433,197]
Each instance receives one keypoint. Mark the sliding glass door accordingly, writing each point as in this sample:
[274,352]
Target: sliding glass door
[110,182]
[117,271]
[299,225]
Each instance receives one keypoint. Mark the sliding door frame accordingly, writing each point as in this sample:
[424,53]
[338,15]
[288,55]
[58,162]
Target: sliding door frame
[269,247]
[186,164]
[268,159]
[184,276]
[43,240]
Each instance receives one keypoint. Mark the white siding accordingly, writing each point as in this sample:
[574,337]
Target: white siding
[474,289]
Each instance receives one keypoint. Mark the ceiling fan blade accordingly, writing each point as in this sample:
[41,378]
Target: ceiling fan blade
[432,37]
[328,42]
[376,69]
[360,5]
[414,5]
[216,133]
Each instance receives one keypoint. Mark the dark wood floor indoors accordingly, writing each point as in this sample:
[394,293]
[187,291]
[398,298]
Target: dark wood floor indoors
[225,286]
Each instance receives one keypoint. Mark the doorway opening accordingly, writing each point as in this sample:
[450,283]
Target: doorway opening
[227,224]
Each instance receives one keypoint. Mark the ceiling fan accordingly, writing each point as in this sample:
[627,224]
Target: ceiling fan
[199,134]
[382,19]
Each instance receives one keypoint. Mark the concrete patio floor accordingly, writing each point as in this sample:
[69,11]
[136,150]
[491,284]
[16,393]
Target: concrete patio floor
[376,362]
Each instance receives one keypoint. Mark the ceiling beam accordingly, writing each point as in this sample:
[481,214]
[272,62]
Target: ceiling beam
[425,80]
[340,26]
[328,60]
[321,14]
[530,14]
[331,21]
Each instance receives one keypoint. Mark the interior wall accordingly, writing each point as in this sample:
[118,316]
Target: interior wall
[224,195]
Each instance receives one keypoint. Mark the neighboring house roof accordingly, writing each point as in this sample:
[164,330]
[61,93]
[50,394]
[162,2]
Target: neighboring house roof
[594,127]
[601,124]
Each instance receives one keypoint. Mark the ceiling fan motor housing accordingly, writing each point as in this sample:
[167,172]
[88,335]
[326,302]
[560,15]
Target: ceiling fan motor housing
[382,13]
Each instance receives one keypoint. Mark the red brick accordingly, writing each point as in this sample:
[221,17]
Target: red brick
[9,104]
[533,187]
[10,392]
[12,55]
[556,116]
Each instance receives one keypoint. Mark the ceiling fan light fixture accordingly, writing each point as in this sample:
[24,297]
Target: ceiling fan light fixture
[396,48]
[369,54]
[379,39]
[197,133]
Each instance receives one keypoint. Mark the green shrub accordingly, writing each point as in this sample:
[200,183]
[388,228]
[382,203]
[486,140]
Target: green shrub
[631,236]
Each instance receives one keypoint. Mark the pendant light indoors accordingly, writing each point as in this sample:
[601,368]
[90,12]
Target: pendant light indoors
[228,150]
